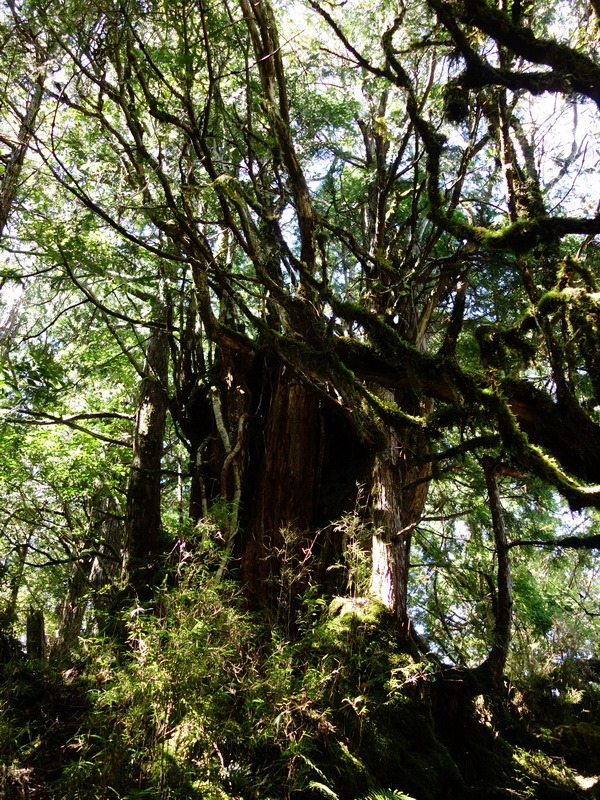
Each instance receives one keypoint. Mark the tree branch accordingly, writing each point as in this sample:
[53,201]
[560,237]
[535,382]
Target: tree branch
[571,542]
[43,418]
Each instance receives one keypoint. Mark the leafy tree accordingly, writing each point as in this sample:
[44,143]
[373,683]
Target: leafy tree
[408,340]
[329,284]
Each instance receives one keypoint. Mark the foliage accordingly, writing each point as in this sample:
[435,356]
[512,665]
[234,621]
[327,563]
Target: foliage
[382,794]
[204,699]
[299,397]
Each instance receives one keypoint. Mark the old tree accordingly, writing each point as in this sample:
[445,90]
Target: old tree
[305,294]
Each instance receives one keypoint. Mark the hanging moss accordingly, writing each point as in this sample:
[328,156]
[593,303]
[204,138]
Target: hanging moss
[506,347]
[541,464]
[386,341]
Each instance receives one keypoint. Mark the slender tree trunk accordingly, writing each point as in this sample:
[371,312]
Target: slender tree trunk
[496,660]
[90,579]
[105,567]
[71,613]
[9,182]
[36,635]
[452,694]
[143,514]
[399,491]
[16,582]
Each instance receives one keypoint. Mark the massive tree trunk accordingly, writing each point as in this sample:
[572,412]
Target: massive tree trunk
[286,460]
[304,464]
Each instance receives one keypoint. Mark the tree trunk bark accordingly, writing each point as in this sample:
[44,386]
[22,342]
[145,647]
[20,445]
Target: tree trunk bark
[71,612]
[9,183]
[91,578]
[143,516]
[496,660]
[36,635]
[277,543]
[399,491]
[15,584]
[453,692]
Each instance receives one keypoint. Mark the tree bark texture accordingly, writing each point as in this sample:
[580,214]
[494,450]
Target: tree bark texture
[9,183]
[496,660]
[36,635]
[70,614]
[304,462]
[91,578]
[399,491]
[281,512]
[143,517]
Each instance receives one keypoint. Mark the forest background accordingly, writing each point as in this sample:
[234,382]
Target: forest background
[299,399]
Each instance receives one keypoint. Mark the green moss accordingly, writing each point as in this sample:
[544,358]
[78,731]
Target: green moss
[399,746]
[533,457]
[346,612]
[382,738]
[583,736]
[350,776]
[391,413]
[550,302]
[569,296]
[386,341]
[548,777]
[456,102]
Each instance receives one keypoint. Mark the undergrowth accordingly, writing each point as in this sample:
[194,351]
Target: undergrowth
[204,700]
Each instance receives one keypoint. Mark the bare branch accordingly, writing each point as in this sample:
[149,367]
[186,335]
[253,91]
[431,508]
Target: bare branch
[31,417]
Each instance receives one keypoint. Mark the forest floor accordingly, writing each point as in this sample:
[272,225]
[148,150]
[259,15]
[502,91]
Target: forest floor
[229,711]
[547,750]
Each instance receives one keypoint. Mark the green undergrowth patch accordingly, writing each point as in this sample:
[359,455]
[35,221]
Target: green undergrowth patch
[40,714]
[540,775]
[384,733]
[204,700]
